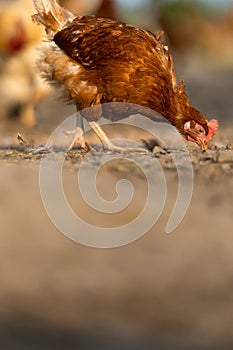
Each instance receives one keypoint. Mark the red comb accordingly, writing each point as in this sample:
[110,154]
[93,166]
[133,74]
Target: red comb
[213,127]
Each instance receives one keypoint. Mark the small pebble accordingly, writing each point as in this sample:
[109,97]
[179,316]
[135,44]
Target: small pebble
[213,147]
[158,150]
[229,146]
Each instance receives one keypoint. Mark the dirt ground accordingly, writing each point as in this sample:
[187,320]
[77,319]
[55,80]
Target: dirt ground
[160,292]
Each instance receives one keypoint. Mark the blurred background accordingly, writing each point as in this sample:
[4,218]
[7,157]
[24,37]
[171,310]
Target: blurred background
[161,292]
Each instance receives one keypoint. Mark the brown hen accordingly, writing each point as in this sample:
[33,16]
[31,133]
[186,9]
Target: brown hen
[97,60]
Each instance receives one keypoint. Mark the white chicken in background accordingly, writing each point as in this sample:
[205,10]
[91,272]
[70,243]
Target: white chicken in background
[21,86]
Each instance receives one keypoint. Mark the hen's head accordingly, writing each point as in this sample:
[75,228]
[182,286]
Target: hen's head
[194,126]
[199,133]
[18,38]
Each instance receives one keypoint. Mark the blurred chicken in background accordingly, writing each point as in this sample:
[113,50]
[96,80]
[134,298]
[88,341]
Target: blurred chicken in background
[21,86]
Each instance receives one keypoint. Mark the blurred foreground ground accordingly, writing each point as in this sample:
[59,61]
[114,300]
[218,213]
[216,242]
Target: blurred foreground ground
[161,292]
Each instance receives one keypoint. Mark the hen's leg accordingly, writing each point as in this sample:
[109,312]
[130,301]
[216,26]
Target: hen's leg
[78,134]
[102,136]
[107,143]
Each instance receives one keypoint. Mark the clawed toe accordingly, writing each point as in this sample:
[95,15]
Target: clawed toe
[78,139]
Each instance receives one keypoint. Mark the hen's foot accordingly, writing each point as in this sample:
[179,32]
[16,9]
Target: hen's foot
[78,139]
[151,143]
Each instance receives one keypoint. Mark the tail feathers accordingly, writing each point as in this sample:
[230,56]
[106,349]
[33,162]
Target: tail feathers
[51,15]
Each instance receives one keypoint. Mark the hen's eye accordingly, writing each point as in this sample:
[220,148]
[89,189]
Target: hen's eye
[201,131]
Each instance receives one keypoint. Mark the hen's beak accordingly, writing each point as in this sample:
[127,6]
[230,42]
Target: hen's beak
[201,141]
